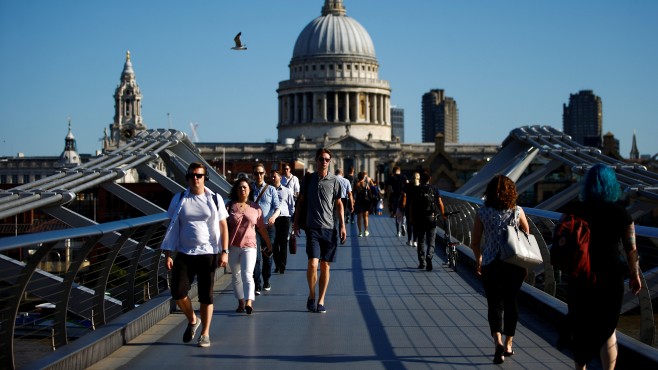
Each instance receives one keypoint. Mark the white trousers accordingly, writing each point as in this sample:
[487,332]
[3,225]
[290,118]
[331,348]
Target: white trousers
[242,262]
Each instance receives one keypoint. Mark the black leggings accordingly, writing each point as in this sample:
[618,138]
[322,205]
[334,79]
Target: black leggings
[502,283]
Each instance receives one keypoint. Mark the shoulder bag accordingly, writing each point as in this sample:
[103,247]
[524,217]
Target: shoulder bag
[519,248]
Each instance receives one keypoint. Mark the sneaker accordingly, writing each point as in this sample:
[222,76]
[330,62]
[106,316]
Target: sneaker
[257,292]
[367,232]
[428,267]
[204,341]
[321,309]
[191,330]
[404,231]
[399,235]
[360,235]
[268,286]
[410,243]
[310,304]
[415,244]
[421,266]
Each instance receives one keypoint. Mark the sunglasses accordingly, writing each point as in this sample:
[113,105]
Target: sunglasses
[195,175]
[259,173]
[325,159]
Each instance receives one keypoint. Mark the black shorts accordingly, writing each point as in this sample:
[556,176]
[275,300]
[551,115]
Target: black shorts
[321,244]
[186,267]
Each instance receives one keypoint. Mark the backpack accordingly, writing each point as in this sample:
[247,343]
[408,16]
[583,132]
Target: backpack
[570,250]
[425,200]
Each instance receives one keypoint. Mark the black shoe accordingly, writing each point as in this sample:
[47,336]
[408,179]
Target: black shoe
[249,309]
[429,264]
[282,270]
[310,304]
[276,270]
[191,331]
[499,356]
[268,286]
[421,266]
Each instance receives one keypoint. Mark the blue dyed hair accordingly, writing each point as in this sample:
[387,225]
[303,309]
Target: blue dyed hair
[600,185]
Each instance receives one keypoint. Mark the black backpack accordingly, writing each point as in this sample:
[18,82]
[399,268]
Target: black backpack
[425,200]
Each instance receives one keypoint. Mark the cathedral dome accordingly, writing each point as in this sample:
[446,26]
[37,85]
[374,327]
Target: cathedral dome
[333,33]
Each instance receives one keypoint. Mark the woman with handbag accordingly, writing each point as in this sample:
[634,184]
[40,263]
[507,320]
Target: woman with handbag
[245,217]
[502,281]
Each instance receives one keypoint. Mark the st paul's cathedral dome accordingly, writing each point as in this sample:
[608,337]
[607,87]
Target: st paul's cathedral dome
[334,88]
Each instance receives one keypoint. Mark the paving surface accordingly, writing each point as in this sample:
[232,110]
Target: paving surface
[382,313]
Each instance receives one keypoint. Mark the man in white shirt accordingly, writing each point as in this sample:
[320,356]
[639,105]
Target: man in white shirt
[290,181]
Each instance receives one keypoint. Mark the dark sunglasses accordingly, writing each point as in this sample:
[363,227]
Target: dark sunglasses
[189,176]
[324,159]
[259,173]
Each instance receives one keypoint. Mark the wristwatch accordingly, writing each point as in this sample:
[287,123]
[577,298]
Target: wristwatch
[225,251]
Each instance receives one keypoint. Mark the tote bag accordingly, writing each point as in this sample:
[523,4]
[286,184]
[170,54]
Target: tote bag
[519,248]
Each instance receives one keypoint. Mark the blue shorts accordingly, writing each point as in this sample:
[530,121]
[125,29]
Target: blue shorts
[321,244]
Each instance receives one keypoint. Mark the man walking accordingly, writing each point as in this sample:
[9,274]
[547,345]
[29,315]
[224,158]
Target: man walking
[290,181]
[345,194]
[425,207]
[198,233]
[282,223]
[321,197]
[268,201]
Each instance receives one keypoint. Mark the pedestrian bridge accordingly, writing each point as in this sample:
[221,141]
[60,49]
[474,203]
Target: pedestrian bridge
[109,305]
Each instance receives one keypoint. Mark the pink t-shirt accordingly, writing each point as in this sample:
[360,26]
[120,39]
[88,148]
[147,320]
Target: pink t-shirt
[242,224]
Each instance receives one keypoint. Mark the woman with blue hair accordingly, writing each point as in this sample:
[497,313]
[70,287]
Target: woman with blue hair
[594,308]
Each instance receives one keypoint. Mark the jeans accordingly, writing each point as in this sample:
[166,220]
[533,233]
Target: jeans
[242,262]
[266,262]
[426,232]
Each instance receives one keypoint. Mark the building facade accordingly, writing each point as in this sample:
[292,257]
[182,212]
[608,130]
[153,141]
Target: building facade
[582,118]
[439,115]
[397,124]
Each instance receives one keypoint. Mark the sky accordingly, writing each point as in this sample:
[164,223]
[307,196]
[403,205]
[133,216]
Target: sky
[507,63]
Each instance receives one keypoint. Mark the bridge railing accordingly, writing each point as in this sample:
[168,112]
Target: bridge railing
[637,319]
[57,286]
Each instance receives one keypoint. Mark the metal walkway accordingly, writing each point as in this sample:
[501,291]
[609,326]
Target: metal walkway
[382,313]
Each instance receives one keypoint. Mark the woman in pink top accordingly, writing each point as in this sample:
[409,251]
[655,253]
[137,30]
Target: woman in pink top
[245,216]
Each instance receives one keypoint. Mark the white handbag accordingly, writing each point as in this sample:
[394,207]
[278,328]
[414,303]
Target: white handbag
[519,248]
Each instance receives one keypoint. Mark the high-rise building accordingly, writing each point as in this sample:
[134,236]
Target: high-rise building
[439,115]
[397,123]
[582,119]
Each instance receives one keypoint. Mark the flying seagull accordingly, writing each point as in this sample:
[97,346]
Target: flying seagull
[238,43]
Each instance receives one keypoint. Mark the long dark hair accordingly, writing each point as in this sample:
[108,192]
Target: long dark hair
[501,193]
[236,187]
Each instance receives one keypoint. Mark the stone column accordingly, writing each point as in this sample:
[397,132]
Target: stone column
[375,109]
[324,107]
[305,107]
[347,106]
[296,108]
[336,106]
[367,107]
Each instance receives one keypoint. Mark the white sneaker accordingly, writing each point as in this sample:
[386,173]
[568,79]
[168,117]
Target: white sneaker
[360,235]
[415,244]
[367,233]
[399,234]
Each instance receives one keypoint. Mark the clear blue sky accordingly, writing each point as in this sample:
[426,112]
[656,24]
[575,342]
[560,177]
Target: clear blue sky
[507,63]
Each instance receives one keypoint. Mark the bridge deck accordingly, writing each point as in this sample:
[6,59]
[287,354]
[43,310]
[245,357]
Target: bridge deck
[382,313]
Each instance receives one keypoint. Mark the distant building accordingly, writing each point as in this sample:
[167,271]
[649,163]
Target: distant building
[582,118]
[397,124]
[21,169]
[439,116]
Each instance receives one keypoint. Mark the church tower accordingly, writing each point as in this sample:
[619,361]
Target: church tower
[127,109]
[69,157]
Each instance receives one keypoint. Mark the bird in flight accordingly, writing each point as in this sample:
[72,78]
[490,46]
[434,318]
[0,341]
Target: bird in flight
[238,43]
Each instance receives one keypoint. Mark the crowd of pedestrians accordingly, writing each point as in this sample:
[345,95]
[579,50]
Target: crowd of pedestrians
[251,234]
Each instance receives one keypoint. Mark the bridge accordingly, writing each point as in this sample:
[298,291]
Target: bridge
[383,313]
